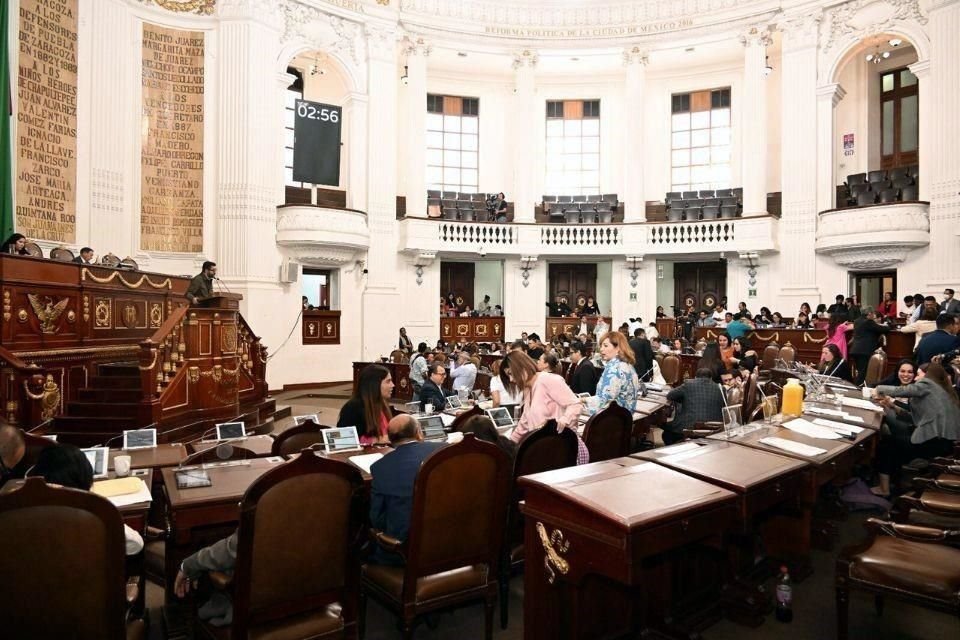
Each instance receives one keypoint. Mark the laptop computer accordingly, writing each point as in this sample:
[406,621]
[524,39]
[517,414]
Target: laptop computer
[98,458]
[453,402]
[231,431]
[340,440]
[140,439]
[432,427]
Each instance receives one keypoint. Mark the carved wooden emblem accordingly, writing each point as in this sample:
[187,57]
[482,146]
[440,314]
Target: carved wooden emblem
[156,315]
[481,330]
[6,305]
[129,316]
[101,312]
[47,311]
[463,329]
[328,330]
[312,329]
[553,545]
[228,338]
[496,329]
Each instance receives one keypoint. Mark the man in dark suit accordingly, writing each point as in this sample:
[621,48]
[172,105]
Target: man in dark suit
[391,492]
[85,257]
[558,308]
[949,304]
[866,340]
[582,376]
[534,347]
[701,400]
[838,307]
[643,353]
[938,342]
[432,390]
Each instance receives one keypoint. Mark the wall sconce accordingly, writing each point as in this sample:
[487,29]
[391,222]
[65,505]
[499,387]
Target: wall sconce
[526,264]
[659,271]
[423,259]
[767,69]
[405,78]
[633,263]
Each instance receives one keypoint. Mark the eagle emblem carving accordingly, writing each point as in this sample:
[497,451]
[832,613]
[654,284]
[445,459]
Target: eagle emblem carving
[47,311]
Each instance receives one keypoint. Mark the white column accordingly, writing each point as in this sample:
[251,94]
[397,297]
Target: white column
[941,174]
[284,80]
[355,114]
[634,195]
[414,94]
[524,143]
[798,150]
[754,121]
[380,292]
[828,96]
[921,69]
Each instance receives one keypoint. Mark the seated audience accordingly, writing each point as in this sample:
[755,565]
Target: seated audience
[660,312]
[803,321]
[590,308]
[484,429]
[743,312]
[940,341]
[582,374]
[712,359]
[866,340]
[778,322]
[619,381]
[822,312]
[502,389]
[726,349]
[12,449]
[805,310]
[534,347]
[935,410]
[368,409]
[743,357]
[700,400]
[550,363]
[391,489]
[833,364]
[463,372]
[66,465]
[432,391]
[705,320]
[15,244]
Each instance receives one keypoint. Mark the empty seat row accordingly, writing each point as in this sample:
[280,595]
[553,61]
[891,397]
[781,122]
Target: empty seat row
[709,212]
[456,195]
[610,198]
[862,195]
[704,202]
[571,214]
[905,175]
[705,193]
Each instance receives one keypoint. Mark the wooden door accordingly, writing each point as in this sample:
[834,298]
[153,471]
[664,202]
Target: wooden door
[704,283]
[574,283]
[458,277]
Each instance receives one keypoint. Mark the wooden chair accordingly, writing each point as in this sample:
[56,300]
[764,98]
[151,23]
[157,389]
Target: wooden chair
[220,453]
[787,353]
[61,254]
[454,545]
[67,574]
[33,250]
[750,399]
[475,410]
[34,444]
[902,561]
[399,356]
[876,367]
[768,360]
[670,368]
[297,438]
[543,450]
[284,590]
[607,433]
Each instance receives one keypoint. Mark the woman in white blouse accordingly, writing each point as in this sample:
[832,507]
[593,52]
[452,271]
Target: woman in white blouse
[502,389]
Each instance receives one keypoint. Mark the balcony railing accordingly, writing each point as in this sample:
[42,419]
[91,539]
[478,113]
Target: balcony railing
[873,236]
[756,234]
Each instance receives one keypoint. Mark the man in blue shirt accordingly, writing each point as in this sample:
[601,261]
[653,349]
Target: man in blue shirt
[938,342]
[391,492]
[738,328]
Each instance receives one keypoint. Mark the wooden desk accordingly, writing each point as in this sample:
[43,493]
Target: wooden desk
[345,458]
[259,445]
[162,455]
[480,329]
[204,515]
[871,419]
[591,535]
[571,326]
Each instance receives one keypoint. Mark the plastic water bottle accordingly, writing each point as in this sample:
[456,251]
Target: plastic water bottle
[784,597]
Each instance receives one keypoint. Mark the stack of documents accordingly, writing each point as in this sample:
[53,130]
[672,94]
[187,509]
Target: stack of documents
[793,447]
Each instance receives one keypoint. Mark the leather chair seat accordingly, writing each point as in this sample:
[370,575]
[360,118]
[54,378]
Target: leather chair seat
[390,580]
[314,624]
[931,570]
[927,519]
[941,501]
[136,630]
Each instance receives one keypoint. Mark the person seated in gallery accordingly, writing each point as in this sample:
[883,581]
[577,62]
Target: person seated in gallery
[700,400]
[452,307]
[66,465]
[432,390]
[706,320]
[201,286]
[16,245]
[368,409]
[484,307]
[838,307]
[393,478]
[558,308]
[85,257]
[802,321]
[591,308]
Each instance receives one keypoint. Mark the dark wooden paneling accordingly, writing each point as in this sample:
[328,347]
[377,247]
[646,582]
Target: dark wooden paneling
[458,277]
[483,329]
[703,282]
[321,327]
[573,282]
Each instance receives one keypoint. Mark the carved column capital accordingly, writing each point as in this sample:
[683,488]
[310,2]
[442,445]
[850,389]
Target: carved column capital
[525,58]
[635,56]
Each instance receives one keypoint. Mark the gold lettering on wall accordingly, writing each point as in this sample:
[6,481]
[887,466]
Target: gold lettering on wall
[47,120]
[171,161]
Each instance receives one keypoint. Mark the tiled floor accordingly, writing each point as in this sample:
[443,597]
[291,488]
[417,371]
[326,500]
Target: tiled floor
[814,610]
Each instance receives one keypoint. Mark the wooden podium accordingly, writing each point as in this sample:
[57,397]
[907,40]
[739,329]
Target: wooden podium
[221,301]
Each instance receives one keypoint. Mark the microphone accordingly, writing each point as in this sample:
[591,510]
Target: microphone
[222,284]
[107,443]
[649,371]
[830,375]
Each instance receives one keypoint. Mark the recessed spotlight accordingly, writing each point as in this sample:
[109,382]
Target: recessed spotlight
[574,59]
[461,54]
[689,49]
[895,42]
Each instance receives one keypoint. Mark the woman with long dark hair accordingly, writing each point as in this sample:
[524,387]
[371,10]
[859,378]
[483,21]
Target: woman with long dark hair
[832,363]
[368,409]
[726,349]
[712,359]
[503,390]
[743,356]
[15,244]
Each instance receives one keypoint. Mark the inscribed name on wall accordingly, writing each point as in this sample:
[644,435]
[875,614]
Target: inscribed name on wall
[46,199]
[171,160]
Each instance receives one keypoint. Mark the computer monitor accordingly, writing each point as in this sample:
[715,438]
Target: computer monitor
[501,417]
[432,427]
[140,439]
[98,457]
[339,440]
[231,431]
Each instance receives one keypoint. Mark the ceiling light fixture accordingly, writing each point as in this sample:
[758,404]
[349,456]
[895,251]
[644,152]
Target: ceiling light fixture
[316,68]
[405,79]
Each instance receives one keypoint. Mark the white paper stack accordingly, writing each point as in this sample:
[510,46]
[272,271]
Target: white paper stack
[123,491]
[860,403]
[839,427]
[793,447]
[364,462]
[812,430]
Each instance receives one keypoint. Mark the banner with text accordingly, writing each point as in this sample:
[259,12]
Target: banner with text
[171,160]
[46,142]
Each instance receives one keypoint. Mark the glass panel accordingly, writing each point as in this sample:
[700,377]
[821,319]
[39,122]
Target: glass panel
[720,117]
[700,156]
[590,179]
[554,128]
[700,138]
[887,82]
[571,127]
[554,162]
[451,158]
[554,146]
[434,157]
[434,140]
[571,145]
[591,145]
[680,158]
[470,177]
[591,161]
[468,160]
[434,175]
[469,142]
[571,161]
[697,186]
[451,175]
[680,187]
[591,127]
[720,154]
[908,124]
[451,140]
[681,140]
[470,125]
[886,120]
[681,174]
[720,135]
[680,121]
[907,79]
[571,179]
[434,122]
[721,176]
[700,174]
[451,123]
[700,120]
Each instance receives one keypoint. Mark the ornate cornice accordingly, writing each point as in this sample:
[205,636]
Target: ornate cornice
[525,58]
[417,46]
[199,7]
[326,30]
[381,41]
[635,55]
[756,36]
[862,18]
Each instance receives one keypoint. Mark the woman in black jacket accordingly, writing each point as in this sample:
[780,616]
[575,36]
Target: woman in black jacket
[833,364]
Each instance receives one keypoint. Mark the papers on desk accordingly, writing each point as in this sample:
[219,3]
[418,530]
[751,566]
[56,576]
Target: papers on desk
[793,447]
[839,427]
[812,430]
[364,462]
[860,403]
[836,413]
[682,448]
[447,419]
[123,491]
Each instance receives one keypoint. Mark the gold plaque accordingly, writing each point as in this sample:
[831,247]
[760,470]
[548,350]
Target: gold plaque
[156,315]
[101,313]
[129,317]
[228,338]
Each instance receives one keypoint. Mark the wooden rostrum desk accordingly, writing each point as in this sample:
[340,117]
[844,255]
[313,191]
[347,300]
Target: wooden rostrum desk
[601,541]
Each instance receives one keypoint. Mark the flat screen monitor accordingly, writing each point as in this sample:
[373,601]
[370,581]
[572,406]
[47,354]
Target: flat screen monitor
[501,417]
[231,431]
[453,402]
[432,427]
[140,439]
[338,440]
